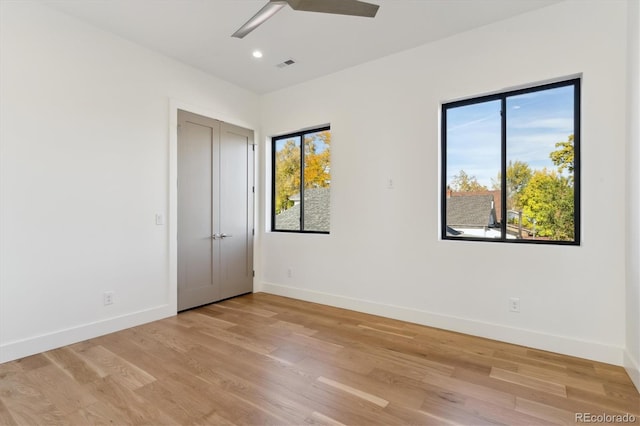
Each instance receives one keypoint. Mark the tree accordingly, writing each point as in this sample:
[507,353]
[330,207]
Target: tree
[287,175]
[563,157]
[547,205]
[317,167]
[518,175]
[462,182]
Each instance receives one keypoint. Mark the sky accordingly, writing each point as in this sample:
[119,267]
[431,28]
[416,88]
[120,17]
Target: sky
[320,145]
[535,122]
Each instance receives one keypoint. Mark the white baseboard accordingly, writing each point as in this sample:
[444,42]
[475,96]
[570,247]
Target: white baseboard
[549,342]
[633,368]
[534,339]
[20,348]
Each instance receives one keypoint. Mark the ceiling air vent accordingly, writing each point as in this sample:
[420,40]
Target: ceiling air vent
[286,63]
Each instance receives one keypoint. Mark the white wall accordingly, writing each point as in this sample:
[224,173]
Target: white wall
[384,255]
[85,131]
[632,354]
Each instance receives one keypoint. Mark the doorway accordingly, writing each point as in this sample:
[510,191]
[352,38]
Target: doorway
[215,210]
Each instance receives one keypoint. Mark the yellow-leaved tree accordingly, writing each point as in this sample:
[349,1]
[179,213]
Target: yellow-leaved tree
[317,167]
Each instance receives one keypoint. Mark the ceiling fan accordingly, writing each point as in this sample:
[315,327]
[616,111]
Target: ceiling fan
[339,7]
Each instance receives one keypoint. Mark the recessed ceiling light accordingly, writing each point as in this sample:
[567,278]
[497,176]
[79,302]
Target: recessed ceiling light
[257,54]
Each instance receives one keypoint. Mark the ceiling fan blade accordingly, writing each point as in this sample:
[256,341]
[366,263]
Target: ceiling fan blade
[340,7]
[263,14]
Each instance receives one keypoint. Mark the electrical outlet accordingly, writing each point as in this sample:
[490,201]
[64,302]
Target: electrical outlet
[107,298]
[289,272]
[514,304]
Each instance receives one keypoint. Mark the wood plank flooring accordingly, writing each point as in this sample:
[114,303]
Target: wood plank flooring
[261,359]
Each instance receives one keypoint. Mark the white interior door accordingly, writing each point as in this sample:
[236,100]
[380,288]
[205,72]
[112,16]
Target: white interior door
[236,210]
[215,210]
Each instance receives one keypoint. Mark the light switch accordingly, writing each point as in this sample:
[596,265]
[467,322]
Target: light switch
[159,219]
[390,183]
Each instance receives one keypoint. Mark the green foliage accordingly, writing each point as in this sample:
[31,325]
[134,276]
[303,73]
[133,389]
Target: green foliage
[317,167]
[548,199]
[518,175]
[545,197]
[462,182]
[563,157]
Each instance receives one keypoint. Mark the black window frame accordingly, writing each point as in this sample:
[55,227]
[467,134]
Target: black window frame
[301,134]
[502,97]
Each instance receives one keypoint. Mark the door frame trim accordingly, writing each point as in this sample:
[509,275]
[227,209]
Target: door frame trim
[172,222]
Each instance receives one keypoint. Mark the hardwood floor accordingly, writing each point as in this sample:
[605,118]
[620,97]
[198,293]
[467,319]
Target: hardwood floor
[262,359]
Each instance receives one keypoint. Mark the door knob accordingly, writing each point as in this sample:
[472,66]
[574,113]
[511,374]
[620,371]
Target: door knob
[216,236]
[223,235]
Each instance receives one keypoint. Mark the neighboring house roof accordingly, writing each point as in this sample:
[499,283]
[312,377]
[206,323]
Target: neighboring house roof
[316,208]
[497,198]
[471,211]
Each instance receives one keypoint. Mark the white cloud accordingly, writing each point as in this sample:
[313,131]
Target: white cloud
[559,124]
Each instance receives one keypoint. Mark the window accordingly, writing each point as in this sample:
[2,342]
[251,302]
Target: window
[301,181]
[511,166]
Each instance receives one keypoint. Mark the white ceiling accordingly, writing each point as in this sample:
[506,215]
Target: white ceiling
[198,33]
